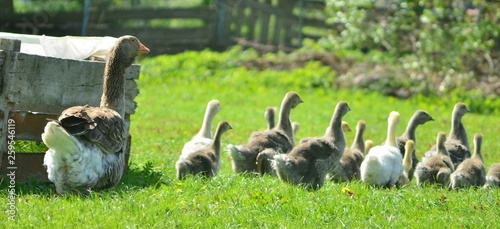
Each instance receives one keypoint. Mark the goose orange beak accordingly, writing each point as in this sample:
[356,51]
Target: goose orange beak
[142,49]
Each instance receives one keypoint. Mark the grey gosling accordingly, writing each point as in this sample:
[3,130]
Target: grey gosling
[437,168]
[309,162]
[471,172]
[205,161]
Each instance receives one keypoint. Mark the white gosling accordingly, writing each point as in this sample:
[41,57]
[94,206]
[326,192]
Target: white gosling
[382,165]
[204,136]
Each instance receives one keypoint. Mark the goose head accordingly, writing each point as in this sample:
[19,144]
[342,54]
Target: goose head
[422,117]
[460,110]
[128,47]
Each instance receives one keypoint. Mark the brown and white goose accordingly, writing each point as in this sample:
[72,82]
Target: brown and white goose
[204,136]
[493,176]
[437,168]
[348,167]
[420,117]
[309,162]
[274,141]
[383,165]
[457,143]
[471,172]
[205,161]
[86,143]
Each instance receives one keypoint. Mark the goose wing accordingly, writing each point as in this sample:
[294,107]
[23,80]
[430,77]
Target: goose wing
[99,125]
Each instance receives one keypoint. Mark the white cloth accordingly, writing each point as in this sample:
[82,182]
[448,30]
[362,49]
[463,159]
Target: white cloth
[67,47]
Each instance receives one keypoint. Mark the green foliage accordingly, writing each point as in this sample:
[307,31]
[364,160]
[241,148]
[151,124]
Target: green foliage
[434,40]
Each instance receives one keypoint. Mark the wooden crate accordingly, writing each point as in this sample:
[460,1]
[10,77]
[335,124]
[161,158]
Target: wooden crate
[36,88]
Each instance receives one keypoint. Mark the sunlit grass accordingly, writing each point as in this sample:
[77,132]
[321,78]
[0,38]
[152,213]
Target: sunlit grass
[174,91]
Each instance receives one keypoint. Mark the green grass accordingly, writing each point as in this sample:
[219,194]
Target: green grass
[174,91]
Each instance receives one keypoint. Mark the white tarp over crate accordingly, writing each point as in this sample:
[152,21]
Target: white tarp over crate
[68,47]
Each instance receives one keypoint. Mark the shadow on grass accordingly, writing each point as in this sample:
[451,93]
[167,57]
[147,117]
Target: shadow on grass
[137,177]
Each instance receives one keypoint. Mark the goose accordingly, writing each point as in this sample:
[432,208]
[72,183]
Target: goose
[457,143]
[358,145]
[204,161]
[309,162]
[269,115]
[277,140]
[471,172]
[86,143]
[295,128]
[368,146]
[204,137]
[420,117]
[407,163]
[348,167]
[493,176]
[382,165]
[437,168]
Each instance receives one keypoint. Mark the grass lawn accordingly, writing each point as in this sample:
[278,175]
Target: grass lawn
[174,91]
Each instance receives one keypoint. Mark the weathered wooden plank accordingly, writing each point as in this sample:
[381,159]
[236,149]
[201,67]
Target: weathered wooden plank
[203,13]
[314,22]
[28,125]
[27,166]
[252,18]
[49,85]
[240,19]
[264,23]
[314,4]
[10,45]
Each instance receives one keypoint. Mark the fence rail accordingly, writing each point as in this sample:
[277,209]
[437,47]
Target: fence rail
[273,23]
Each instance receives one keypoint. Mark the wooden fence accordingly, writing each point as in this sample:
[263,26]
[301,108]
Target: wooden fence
[268,24]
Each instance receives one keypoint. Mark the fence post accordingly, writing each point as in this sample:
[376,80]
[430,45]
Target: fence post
[222,28]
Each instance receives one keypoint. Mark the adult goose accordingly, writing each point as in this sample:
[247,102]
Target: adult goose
[348,167]
[205,161]
[457,143]
[493,176]
[274,141]
[86,143]
[204,136]
[437,168]
[382,165]
[309,162]
[407,163]
[420,117]
[471,172]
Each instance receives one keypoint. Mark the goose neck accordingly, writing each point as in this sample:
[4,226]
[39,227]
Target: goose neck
[113,95]
[391,133]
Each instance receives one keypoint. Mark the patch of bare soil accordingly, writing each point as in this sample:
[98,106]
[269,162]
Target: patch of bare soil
[390,79]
